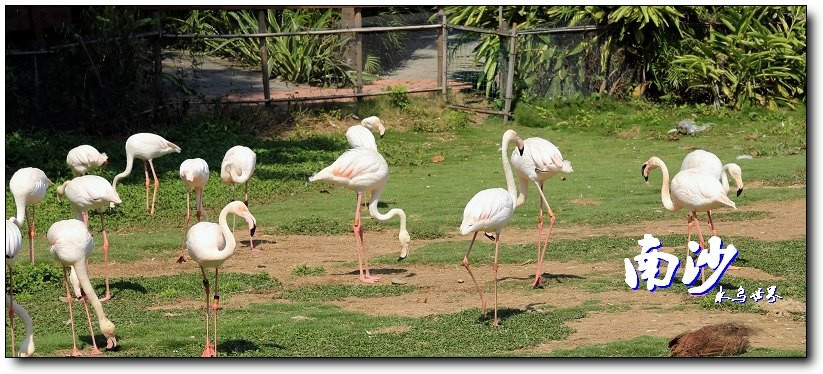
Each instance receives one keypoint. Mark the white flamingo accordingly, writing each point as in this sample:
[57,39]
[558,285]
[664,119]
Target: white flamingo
[91,192]
[692,189]
[28,186]
[365,170]
[146,147]
[14,241]
[209,245]
[490,210]
[71,245]
[710,163]
[85,158]
[360,137]
[27,346]
[194,173]
[540,161]
[237,168]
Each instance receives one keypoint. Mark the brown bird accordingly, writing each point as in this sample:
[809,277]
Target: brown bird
[723,339]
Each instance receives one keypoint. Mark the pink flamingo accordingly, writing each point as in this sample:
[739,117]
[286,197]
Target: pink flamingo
[84,158]
[365,170]
[146,147]
[710,163]
[28,186]
[490,210]
[194,173]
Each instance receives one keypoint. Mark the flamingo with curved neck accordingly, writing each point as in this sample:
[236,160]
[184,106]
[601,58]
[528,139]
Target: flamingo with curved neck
[209,245]
[27,346]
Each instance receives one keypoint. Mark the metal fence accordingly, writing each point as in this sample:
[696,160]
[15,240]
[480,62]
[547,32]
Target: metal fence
[435,57]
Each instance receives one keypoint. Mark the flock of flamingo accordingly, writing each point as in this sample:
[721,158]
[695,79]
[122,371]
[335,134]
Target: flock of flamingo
[700,186]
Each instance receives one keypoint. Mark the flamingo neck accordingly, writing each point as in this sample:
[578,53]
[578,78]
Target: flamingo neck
[20,216]
[125,173]
[665,195]
[507,168]
[83,277]
[524,192]
[231,244]
[724,179]
[389,215]
[198,197]
[27,346]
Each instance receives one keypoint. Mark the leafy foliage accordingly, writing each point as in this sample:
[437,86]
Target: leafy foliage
[399,97]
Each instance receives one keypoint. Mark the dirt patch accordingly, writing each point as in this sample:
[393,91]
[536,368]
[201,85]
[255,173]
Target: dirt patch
[585,202]
[390,330]
[239,300]
[632,133]
[598,328]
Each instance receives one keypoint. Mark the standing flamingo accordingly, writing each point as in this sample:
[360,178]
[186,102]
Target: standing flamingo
[693,189]
[71,245]
[365,170]
[540,161]
[146,147]
[28,186]
[209,245]
[27,346]
[237,168]
[490,210]
[360,137]
[710,163]
[91,192]
[194,173]
[85,158]
[14,241]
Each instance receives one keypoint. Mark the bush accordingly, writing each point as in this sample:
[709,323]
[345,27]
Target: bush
[37,278]
[399,97]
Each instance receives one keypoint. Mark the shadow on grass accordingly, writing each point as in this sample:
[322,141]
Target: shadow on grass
[546,276]
[376,271]
[238,346]
[120,286]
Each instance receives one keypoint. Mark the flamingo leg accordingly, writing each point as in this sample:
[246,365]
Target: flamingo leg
[208,351]
[181,259]
[234,198]
[702,243]
[199,202]
[689,235]
[214,308]
[494,268]
[86,218]
[156,185]
[358,235]
[105,257]
[246,194]
[74,352]
[95,350]
[538,282]
[32,230]
[11,309]
[711,223]
[468,268]
[146,169]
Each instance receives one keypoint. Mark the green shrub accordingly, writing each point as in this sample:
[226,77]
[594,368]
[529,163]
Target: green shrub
[399,97]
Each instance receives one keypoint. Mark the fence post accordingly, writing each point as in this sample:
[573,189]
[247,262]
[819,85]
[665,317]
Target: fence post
[510,74]
[442,54]
[358,52]
[501,26]
[264,53]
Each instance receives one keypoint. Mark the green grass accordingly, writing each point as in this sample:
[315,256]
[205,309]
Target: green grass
[339,291]
[649,346]
[306,271]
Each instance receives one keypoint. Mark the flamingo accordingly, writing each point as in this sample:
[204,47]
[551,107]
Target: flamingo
[146,147]
[194,173]
[28,186]
[237,168]
[359,136]
[711,163]
[14,241]
[540,161]
[91,192]
[27,346]
[373,123]
[209,245]
[85,158]
[365,170]
[693,189]
[490,210]
[71,245]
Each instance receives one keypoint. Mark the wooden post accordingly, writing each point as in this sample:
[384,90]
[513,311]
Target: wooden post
[443,54]
[501,26]
[264,54]
[510,74]
[440,42]
[358,53]
[347,22]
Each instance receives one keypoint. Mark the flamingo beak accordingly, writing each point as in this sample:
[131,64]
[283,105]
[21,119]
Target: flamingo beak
[643,172]
[739,191]
[111,342]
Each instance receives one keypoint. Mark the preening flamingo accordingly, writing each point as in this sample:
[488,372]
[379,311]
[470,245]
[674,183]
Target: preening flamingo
[490,210]
[540,161]
[360,137]
[692,189]
[27,346]
[194,173]
[365,170]
[146,147]
[373,123]
[237,168]
[710,163]
[28,186]
[14,241]
[209,245]
[71,245]
[85,158]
